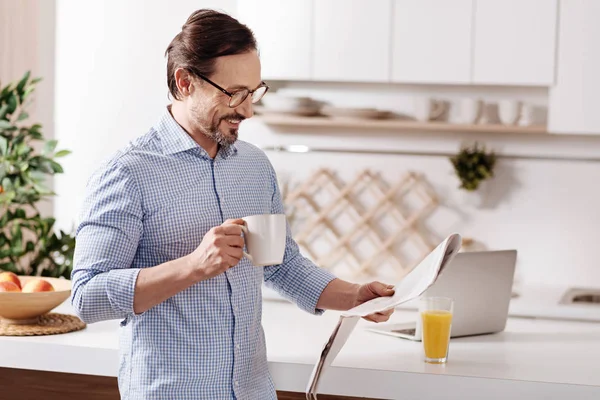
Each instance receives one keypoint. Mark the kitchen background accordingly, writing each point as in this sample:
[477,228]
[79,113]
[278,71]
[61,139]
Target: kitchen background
[103,67]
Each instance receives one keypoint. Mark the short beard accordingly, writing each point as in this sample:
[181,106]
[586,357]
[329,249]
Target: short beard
[223,140]
[215,134]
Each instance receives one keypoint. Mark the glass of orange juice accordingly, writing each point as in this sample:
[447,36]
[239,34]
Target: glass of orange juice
[436,324]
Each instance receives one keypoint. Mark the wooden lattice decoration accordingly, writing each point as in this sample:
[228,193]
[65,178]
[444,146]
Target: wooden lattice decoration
[364,228]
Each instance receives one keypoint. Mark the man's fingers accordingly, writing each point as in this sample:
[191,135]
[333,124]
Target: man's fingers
[234,240]
[233,258]
[235,221]
[232,229]
[387,313]
[380,316]
[381,289]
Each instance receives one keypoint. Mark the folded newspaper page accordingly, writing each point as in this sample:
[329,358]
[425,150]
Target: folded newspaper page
[415,283]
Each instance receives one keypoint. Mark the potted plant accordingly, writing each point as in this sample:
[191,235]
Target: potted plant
[29,244]
[473,165]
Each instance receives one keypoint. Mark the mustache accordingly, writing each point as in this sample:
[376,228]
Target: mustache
[233,116]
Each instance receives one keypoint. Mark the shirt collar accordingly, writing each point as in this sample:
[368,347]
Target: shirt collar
[175,139]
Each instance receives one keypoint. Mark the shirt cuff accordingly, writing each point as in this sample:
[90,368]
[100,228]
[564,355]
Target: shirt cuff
[312,289]
[120,287]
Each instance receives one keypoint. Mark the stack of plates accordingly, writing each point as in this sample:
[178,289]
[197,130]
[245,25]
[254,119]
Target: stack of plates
[287,104]
[359,113]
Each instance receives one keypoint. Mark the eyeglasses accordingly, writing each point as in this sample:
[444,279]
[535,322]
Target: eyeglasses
[239,96]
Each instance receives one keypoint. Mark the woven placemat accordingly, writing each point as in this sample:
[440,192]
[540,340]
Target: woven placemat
[48,324]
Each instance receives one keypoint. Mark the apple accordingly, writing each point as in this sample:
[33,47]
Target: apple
[9,286]
[8,276]
[37,285]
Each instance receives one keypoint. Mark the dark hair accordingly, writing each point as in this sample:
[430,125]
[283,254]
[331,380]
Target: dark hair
[206,35]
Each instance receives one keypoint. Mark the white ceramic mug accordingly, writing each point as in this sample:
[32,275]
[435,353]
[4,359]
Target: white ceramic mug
[470,110]
[509,111]
[265,238]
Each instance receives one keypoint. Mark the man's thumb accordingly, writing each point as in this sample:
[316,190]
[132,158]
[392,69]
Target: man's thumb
[382,289]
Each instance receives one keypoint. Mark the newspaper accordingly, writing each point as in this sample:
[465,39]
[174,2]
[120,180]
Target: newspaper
[410,287]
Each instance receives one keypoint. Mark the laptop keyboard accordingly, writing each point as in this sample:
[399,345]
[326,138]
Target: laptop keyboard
[408,331]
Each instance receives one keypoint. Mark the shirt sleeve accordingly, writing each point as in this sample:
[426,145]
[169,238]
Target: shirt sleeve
[106,242]
[297,278]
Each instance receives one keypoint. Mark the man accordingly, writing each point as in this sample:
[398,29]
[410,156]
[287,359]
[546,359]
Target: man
[159,245]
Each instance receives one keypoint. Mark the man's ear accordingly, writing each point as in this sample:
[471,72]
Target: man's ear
[183,79]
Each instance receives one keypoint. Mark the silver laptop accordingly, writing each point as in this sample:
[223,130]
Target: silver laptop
[480,284]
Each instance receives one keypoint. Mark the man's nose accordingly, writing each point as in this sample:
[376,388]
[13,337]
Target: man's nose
[246,108]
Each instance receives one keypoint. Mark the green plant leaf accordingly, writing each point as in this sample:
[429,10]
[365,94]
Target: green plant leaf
[56,167]
[49,147]
[12,104]
[23,82]
[23,166]
[23,149]
[43,190]
[23,116]
[36,80]
[4,124]
[7,197]
[62,153]
[37,176]
[20,213]
[3,111]
[35,133]
[7,185]
[3,145]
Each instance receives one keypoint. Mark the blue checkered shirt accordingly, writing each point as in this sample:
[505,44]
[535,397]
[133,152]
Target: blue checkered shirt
[151,203]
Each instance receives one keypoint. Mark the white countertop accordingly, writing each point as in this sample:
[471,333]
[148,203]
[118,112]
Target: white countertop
[536,358]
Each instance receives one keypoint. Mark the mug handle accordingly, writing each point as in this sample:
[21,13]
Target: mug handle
[245,230]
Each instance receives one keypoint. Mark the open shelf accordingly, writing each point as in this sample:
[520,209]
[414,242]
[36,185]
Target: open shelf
[393,124]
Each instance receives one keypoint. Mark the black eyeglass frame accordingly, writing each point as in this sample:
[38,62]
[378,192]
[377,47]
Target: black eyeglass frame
[249,92]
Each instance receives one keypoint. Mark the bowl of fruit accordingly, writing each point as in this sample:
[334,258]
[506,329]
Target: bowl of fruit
[24,298]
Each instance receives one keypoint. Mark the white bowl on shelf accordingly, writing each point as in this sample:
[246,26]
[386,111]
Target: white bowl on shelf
[358,113]
[282,102]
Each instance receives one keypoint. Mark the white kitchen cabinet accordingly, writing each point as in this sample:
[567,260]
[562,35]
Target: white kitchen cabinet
[283,30]
[514,42]
[432,41]
[573,103]
[352,40]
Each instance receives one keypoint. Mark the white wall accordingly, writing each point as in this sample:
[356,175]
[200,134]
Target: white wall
[110,80]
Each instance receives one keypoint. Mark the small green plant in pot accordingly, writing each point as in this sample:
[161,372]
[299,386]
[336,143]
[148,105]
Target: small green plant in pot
[29,244]
[473,165]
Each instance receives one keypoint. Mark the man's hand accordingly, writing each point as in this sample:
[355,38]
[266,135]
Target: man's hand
[370,291]
[220,249]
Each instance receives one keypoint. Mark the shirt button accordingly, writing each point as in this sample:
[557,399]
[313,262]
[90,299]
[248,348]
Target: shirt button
[237,383]
[237,346]
[235,308]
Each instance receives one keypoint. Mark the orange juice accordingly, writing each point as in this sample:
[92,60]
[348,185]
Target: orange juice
[436,333]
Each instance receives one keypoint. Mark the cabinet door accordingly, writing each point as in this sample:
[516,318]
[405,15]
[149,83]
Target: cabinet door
[573,105]
[432,41]
[283,30]
[515,42]
[352,40]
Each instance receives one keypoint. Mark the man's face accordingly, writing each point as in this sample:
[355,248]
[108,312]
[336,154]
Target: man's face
[208,107]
